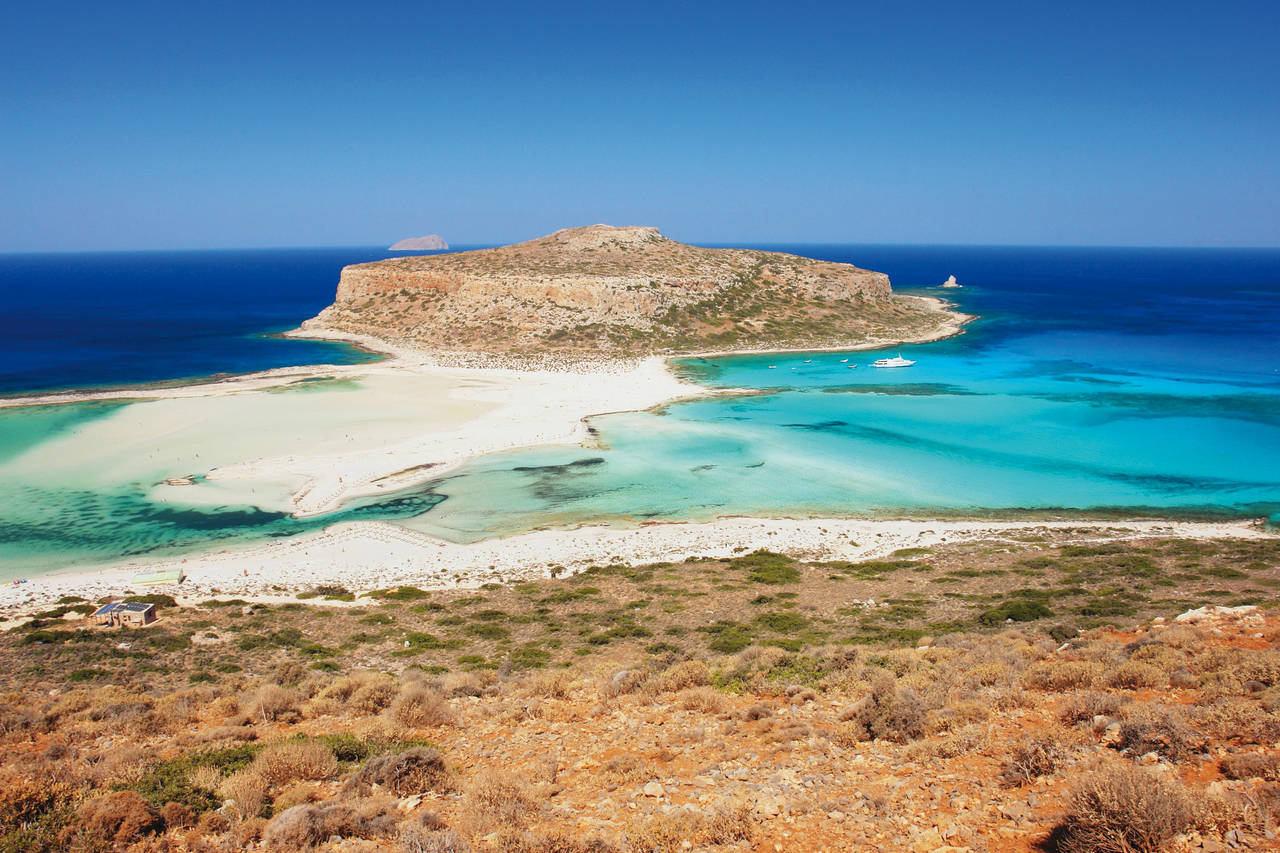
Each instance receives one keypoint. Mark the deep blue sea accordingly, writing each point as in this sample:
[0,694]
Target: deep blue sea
[1096,380]
[76,320]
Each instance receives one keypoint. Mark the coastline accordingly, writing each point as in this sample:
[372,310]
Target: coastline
[367,555]
[957,320]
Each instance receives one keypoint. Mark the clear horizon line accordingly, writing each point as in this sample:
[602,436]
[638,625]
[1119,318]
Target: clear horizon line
[701,243]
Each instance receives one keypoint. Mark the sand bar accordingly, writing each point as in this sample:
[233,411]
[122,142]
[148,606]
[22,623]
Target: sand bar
[305,441]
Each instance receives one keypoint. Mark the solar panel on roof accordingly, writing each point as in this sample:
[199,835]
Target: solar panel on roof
[136,606]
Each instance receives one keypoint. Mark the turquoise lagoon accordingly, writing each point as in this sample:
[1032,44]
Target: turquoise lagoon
[1097,381]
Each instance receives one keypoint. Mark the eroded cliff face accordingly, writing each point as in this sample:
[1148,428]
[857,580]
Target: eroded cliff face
[623,291]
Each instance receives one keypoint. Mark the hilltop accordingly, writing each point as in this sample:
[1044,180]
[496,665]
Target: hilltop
[623,291]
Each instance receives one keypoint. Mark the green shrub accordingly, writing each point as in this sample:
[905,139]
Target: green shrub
[485,631]
[768,568]
[1016,611]
[529,657]
[782,623]
[401,593]
[168,780]
[158,599]
[87,674]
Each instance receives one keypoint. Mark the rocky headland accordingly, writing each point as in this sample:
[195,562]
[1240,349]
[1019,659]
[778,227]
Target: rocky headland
[601,290]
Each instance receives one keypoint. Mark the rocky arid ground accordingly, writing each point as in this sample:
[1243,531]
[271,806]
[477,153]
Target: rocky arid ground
[1033,693]
[624,292]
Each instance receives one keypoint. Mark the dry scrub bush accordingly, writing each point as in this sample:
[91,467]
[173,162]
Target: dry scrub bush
[307,826]
[546,841]
[224,707]
[1261,665]
[1058,675]
[1240,720]
[989,674]
[289,672]
[420,707]
[176,816]
[1218,812]
[212,734]
[1159,729]
[556,684]
[1251,765]
[624,681]
[24,801]
[272,702]
[183,707]
[960,742]
[1136,675]
[1123,810]
[492,801]
[402,773]
[689,673]
[120,766]
[361,694]
[788,732]
[462,684]
[419,839]
[957,715]
[372,696]
[247,790]
[625,770]
[1083,707]
[205,778]
[245,834]
[666,833]
[888,712]
[1160,655]
[706,700]
[294,761]
[120,818]
[1031,759]
[296,794]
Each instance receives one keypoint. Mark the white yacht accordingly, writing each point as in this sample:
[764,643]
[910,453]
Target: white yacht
[896,361]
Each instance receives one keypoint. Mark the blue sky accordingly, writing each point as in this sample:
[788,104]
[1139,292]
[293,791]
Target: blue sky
[167,125]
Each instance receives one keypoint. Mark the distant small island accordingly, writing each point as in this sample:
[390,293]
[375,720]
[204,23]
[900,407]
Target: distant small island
[429,243]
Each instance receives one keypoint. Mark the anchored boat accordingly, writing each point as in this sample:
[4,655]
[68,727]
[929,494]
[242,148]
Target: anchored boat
[896,361]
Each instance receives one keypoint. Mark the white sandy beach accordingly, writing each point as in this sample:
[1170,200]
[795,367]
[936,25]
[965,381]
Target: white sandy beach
[304,440]
[364,556]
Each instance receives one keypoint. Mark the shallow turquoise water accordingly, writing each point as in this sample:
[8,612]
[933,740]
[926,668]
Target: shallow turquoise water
[1097,381]
[951,435]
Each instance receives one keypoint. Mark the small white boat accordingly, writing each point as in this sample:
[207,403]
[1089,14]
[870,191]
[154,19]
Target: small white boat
[808,361]
[853,367]
[844,361]
[773,367]
[896,361]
